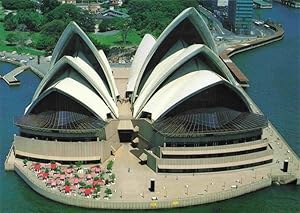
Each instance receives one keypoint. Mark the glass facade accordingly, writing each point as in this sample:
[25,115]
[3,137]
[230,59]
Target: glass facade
[240,15]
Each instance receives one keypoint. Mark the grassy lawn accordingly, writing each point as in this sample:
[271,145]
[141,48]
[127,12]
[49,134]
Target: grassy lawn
[19,49]
[133,39]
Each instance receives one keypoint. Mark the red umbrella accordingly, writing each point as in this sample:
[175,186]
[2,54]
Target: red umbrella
[98,170]
[37,167]
[87,192]
[53,183]
[101,182]
[67,189]
[45,175]
[76,181]
[95,182]
[53,166]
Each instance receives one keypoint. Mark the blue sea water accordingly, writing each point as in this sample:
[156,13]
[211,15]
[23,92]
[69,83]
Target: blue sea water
[274,73]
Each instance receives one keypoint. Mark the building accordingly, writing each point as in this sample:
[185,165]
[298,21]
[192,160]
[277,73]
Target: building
[203,122]
[111,13]
[74,108]
[67,1]
[183,112]
[188,107]
[240,14]
[116,2]
[93,7]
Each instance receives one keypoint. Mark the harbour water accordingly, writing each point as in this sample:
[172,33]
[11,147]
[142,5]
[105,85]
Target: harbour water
[274,73]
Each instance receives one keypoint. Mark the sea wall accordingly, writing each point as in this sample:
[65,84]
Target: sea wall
[38,186]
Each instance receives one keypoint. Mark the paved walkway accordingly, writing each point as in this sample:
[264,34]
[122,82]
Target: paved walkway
[133,179]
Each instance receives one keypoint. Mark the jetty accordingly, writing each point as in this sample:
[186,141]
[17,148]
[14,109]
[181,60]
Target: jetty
[248,45]
[262,4]
[10,78]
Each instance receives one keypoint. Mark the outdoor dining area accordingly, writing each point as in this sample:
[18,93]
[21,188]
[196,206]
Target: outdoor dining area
[77,180]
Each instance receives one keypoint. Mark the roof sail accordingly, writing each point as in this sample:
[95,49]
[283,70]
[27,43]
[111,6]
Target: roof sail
[186,29]
[187,87]
[74,42]
[190,59]
[68,66]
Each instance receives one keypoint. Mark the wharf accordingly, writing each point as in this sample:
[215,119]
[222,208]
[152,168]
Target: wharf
[290,3]
[248,45]
[263,4]
[10,78]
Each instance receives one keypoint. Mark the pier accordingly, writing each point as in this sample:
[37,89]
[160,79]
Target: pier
[248,45]
[10,78]
[262,4]
[290,3]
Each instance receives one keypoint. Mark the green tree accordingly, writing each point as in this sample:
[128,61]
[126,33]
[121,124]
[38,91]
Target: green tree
[69,12]
[31,19]
[110,165]
[154,15]
[67,183]
[108,191]
[48,5]
[78,164]
[107,25]
[45,42]
[113,177]
[123,24]
[25,162]
[16,38]
[19,4]
[10,22]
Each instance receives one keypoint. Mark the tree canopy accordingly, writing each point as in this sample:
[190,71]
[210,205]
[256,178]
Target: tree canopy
[19,4]
[31,19]
[69,12]
[152,16]
[48,5]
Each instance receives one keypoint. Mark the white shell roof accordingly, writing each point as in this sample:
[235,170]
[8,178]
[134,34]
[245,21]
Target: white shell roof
[199,24]
[87,72]
[81,94]
[143,50]
[179,90]
[73,28]
[168,66]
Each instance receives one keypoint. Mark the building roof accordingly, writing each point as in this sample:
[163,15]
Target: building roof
[78,92]
[141,53]
[208,121]
[65,43]
[172,65]
[198,28]
[86,71]
[179,90]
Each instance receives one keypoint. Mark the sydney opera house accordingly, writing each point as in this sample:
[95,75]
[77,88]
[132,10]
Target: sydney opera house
[188,114]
